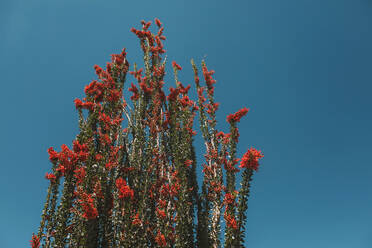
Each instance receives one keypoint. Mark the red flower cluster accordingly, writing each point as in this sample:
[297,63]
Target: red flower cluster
[173,94]
[67,158]
[79,175]
[230,165]
[237,116]
[53,155]
[146,34]
[108,122]
[135,95]
[124,190]
[177,66]
[188,162]
[84,105]
[186,102]
[250,159]
[224,136]
[96,90]
[87,204]
[80,150]
[230,198]
[157,22]
[208,78]
[50,176]
[160,240]
[211,109]
[35,241]
[136,220]
[161,213]
[230,221]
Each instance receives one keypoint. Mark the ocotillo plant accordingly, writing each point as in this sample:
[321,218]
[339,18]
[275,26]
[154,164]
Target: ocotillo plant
[137,186]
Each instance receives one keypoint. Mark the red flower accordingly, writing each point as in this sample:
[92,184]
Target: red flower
[229,198]
[98,156]
[177,66]
[53,155]
[250,159]
[147,90]
[85,105]
[88,105]
[162,203]
[78,103]
[81,150]
[135,95]
[185,101]
[173,94]
[98,70]
[230,221]
[188,162]
[80,175]
[160,240]
[90,212]
[35,241]
[124,190]
[50,177]
[161,213]
[62,169]
[208,78]
[157,22]
[87,204]
[96,90]
[136,220]
[237,116]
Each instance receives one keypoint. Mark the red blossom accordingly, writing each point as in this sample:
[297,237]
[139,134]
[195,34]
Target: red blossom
[85,105]
[79,175]
[157,22]
[182,89]
[160,240]
[188,162]
[229,198]
[147,90]
[136,220]
[135,95]
[237,116]
[98,157]
[161,213]
[35,241]
[177,66]
[173,94]
[208,78]
[50,176]
[162,203]
[90,211]
[124,190]
[98,70]
[186,102]
[114,95]
[81,150]
[201,95]
[94,89]
[78,103]
[230,221]
[250,159]
[145,25]
[53,155]
[62,169]
[220,135]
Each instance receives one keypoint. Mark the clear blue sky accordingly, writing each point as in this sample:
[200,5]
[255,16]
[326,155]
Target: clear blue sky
[304,68]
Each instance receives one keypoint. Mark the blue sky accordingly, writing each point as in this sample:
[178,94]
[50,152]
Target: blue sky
[302,67]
